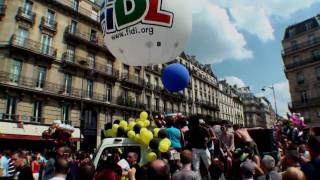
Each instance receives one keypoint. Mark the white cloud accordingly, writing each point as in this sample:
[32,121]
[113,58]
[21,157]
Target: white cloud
[232,80]
[255,16]
[214,37]
[282,97]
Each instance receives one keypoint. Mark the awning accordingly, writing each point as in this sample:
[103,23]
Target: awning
[12,130]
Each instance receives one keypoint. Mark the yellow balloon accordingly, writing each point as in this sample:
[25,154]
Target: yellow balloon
[156,131]
[115,127]
[131,134]
[146,123]
[151,156]
[143,130]
[146,137]
[131,125]
[137,138]
[123,123]
[108,133]
[167,141]
[164,146]
[143,115]
[141,123]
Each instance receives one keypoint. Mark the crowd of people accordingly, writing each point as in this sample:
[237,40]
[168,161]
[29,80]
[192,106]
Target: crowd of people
[215,151]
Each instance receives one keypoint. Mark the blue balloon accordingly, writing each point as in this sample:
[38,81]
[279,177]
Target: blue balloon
[175,77]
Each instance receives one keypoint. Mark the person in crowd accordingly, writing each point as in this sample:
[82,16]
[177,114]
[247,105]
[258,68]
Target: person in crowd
[61,169]
[158,170]
[159,120]
[86,171]
[132,159]
[245,140]
[23,168]
[227,142]
[109,167]
[198,137]
[294,173]
[268,165]
[174,134]
[4,164]
[186,172]
[304,154]
[312,168]
[35,166]
[249,169]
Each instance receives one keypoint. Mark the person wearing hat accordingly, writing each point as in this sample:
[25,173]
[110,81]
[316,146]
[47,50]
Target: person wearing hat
[268,165]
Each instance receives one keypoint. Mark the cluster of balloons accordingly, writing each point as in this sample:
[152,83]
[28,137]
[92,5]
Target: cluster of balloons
[59,132]
[157,140]
[296,119]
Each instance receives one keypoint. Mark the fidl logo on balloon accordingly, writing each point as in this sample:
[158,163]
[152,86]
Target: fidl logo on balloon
[146,32]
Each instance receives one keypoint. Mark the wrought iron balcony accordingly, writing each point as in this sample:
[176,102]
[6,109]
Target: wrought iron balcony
[307,103]
[154,69]
[92,40]
[22,83]
[3,8]
[26,15]
[83,13]
[130,102]
[85,63]
[48,24]
[21,118]
[301,46]
[34,47]
[302,63]
[149,86]
[133,80]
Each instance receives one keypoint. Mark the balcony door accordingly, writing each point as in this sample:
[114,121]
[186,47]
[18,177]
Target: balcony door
[50,19]
[46,42]
[75,4]
[73,26]
[89,93]
[93,36]
[15,73]
[109,66]
[90,118]
[27,8]
[91,60]
[10,107]
[37,111]
[67,83]
[108,92]
[65,113]
[42,71]
[22,36]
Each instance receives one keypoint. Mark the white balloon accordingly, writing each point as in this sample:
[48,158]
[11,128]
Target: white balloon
[146,32]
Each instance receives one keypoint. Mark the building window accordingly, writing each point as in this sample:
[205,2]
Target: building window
[91,60]
[315,53]
[108,117]
[136,74]
[50,18]
[148,78]
[37,111]
[304,97]
[300,78]
[70,53]
[148,102]
[294,44]
[75,4]
[156,80]
[22,36]
[73,26]
[295,59]
[15,71]
[172,107]
[41,76]
[318,73]
[89,93]
[292,32]
[46,42]
[157,104]
[109,66]
[125,70]
[93,36]
[308,25]
[67,83]
[65,112]
[318,114]
[10,107]
[108,92]
[311,38]
[27,8]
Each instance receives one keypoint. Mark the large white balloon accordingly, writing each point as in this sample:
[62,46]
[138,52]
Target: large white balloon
[146,32]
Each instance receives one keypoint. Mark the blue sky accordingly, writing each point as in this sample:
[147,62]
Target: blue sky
[242,40]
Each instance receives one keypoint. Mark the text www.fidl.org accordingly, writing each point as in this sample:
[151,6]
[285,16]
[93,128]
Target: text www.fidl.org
[132,31]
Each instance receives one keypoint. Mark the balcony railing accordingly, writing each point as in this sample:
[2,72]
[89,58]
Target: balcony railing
[209,105]
[85,37]
[300,46]
[48,24]
[27,15]
[307,102]
[84,63]
[302,62]
[33,46]
[54,89]
[21,118]
[3,8]
[130,102]
[154,69]
[125,77]
[70,6]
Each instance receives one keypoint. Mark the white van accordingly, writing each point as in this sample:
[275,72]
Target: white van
[124,145]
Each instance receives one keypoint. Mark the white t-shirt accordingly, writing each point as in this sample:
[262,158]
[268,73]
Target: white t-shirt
[4,165]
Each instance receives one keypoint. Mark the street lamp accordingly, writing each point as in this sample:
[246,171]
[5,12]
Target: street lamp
[274,98]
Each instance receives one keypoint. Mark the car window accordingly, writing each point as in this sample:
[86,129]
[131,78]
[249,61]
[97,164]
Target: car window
[114,154]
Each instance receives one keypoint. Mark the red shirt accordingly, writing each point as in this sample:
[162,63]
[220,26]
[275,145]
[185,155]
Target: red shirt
[35,166]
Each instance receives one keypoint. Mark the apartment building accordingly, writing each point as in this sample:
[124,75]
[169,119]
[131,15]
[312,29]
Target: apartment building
[301,58]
